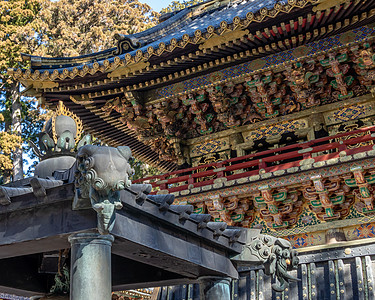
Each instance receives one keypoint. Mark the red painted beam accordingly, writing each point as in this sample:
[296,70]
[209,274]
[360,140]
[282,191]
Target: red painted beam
[223,168]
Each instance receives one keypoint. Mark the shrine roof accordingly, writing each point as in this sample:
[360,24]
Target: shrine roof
[206,45]
[181,29]
[187,21]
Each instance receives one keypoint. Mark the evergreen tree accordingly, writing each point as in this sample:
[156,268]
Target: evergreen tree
[8,144]
[18,24]
[54,28]
[179,5]
[76,27]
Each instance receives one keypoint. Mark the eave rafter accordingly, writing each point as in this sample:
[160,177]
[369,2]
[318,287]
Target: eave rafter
[99,103]
[199,37]
[91,85]
[89,98]
[240,44]
[114,133]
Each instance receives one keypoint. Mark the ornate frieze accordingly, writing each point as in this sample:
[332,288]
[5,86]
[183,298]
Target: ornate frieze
[306,84]
[348,127]
[349,113]
[292,203]
[277,129]
[208,147]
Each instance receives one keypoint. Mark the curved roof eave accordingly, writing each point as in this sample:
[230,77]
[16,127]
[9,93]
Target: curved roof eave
[206,25]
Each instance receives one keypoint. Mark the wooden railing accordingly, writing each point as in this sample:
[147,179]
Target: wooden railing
[266,161]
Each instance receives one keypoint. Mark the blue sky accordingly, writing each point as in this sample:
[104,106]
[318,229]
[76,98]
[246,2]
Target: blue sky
[157,5]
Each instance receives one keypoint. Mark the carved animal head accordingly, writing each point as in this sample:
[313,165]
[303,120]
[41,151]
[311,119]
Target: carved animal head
[105,167]
[101,173]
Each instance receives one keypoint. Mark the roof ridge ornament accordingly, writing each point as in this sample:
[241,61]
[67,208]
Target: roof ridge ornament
[102,172]
[63,111]
[126,43]
[60,134]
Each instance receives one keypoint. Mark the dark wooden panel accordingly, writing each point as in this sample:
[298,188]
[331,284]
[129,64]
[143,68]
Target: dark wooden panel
[325,275]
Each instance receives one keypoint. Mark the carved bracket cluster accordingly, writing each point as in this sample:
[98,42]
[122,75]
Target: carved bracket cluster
[232,210]
[102,172]
[275,254]
[327,197]
[279,208]
[363,190]
[331,77]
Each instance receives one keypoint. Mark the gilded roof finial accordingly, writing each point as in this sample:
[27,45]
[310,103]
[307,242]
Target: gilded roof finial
[60,134]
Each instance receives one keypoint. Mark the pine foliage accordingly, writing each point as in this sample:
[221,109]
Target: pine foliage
[8,143]
[53,28]
[179,5]
[18,25]
[77,27]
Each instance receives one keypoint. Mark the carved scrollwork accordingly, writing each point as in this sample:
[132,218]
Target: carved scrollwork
[102,172]
[275,254]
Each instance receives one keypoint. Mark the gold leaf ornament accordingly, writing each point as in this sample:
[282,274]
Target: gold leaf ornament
[63,111]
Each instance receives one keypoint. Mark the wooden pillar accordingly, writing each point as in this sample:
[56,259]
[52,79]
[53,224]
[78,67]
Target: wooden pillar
[90,266]
[316,123]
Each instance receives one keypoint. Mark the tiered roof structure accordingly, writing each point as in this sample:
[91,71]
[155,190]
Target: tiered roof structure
[206,69]
[261,113]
